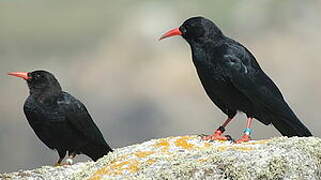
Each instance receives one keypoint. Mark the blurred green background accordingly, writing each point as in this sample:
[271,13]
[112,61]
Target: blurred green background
[107,54]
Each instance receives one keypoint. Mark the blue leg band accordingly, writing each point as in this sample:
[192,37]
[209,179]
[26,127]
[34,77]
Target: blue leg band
[248,131]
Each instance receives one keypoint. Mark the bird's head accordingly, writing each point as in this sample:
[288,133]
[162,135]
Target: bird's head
[39,81]
[195,30]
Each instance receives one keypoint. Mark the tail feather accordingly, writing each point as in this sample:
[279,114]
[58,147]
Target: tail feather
[284,120]
[96,151]
[290,126]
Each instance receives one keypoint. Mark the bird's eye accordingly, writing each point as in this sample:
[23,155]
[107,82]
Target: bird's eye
[36,76]
[183,30]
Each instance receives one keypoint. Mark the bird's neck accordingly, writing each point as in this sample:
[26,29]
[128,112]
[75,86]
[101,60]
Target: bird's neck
[202,51]
[199,53]
[47,96]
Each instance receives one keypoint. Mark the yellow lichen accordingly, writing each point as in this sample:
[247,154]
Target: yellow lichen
[165,149]
[258,142]
[143,154]
[99,173]
[118,165]
[133,166]
[237,148]
[243,148]
[117,168]
[206,145]
[95,177]
[162,143]
[202,160]
[182,142]
[151,161]
[222,148]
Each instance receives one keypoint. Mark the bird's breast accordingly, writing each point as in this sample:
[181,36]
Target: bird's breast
[219,87]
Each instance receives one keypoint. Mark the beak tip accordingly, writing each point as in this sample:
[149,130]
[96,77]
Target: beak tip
[173,32]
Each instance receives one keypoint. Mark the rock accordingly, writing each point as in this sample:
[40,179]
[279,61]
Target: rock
[188,157]
[48,172]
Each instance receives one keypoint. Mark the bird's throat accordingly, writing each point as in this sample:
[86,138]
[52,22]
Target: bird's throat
[45,96]
[199,55]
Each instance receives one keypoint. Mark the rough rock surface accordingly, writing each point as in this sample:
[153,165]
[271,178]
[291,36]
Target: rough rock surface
[188,157]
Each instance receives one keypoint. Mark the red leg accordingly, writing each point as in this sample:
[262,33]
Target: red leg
[218,133]
[247,131]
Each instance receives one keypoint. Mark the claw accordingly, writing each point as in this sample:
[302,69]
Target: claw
[229,138]
[216,136]
[202,135]
[58,164]
[244,138]
[69,161]
[63,164]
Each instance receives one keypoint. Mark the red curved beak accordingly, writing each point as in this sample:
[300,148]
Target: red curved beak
[23,75]
[173,32]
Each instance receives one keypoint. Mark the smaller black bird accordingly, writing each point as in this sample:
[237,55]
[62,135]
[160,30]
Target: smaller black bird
[59,120]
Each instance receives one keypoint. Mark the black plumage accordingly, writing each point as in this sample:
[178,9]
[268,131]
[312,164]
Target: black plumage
[233,79]
[59,120]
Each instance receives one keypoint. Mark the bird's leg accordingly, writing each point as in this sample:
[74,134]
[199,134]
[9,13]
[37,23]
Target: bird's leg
[247,131]
[62,155]
[69,160]
[218,133]
[58,163]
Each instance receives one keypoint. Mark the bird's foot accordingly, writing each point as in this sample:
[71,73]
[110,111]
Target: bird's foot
[244,138]
[217,136]
[58,164]
[63,163]
[69,161]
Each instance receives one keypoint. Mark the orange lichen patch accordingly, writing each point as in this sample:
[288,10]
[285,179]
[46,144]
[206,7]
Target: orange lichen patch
[237,148]
[143,154]
[243,148]
[95,177]
[133,166]
[222,148]
[99,173]
[202,160]
[182,142]
[206,145]
[150,161]
[162,143]
[265,141]
[117,168]
[165,149]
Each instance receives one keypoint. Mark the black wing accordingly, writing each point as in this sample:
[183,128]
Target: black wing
[78,116]
[40,121]
[246,75]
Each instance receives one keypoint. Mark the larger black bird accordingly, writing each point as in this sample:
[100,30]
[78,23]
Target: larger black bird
[61,121]
[234,81]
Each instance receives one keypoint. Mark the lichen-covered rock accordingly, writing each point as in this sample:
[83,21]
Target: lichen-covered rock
[188,157]
[48,172]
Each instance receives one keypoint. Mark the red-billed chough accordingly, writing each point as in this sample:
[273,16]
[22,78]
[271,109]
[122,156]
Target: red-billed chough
[234,81]
[59,120]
